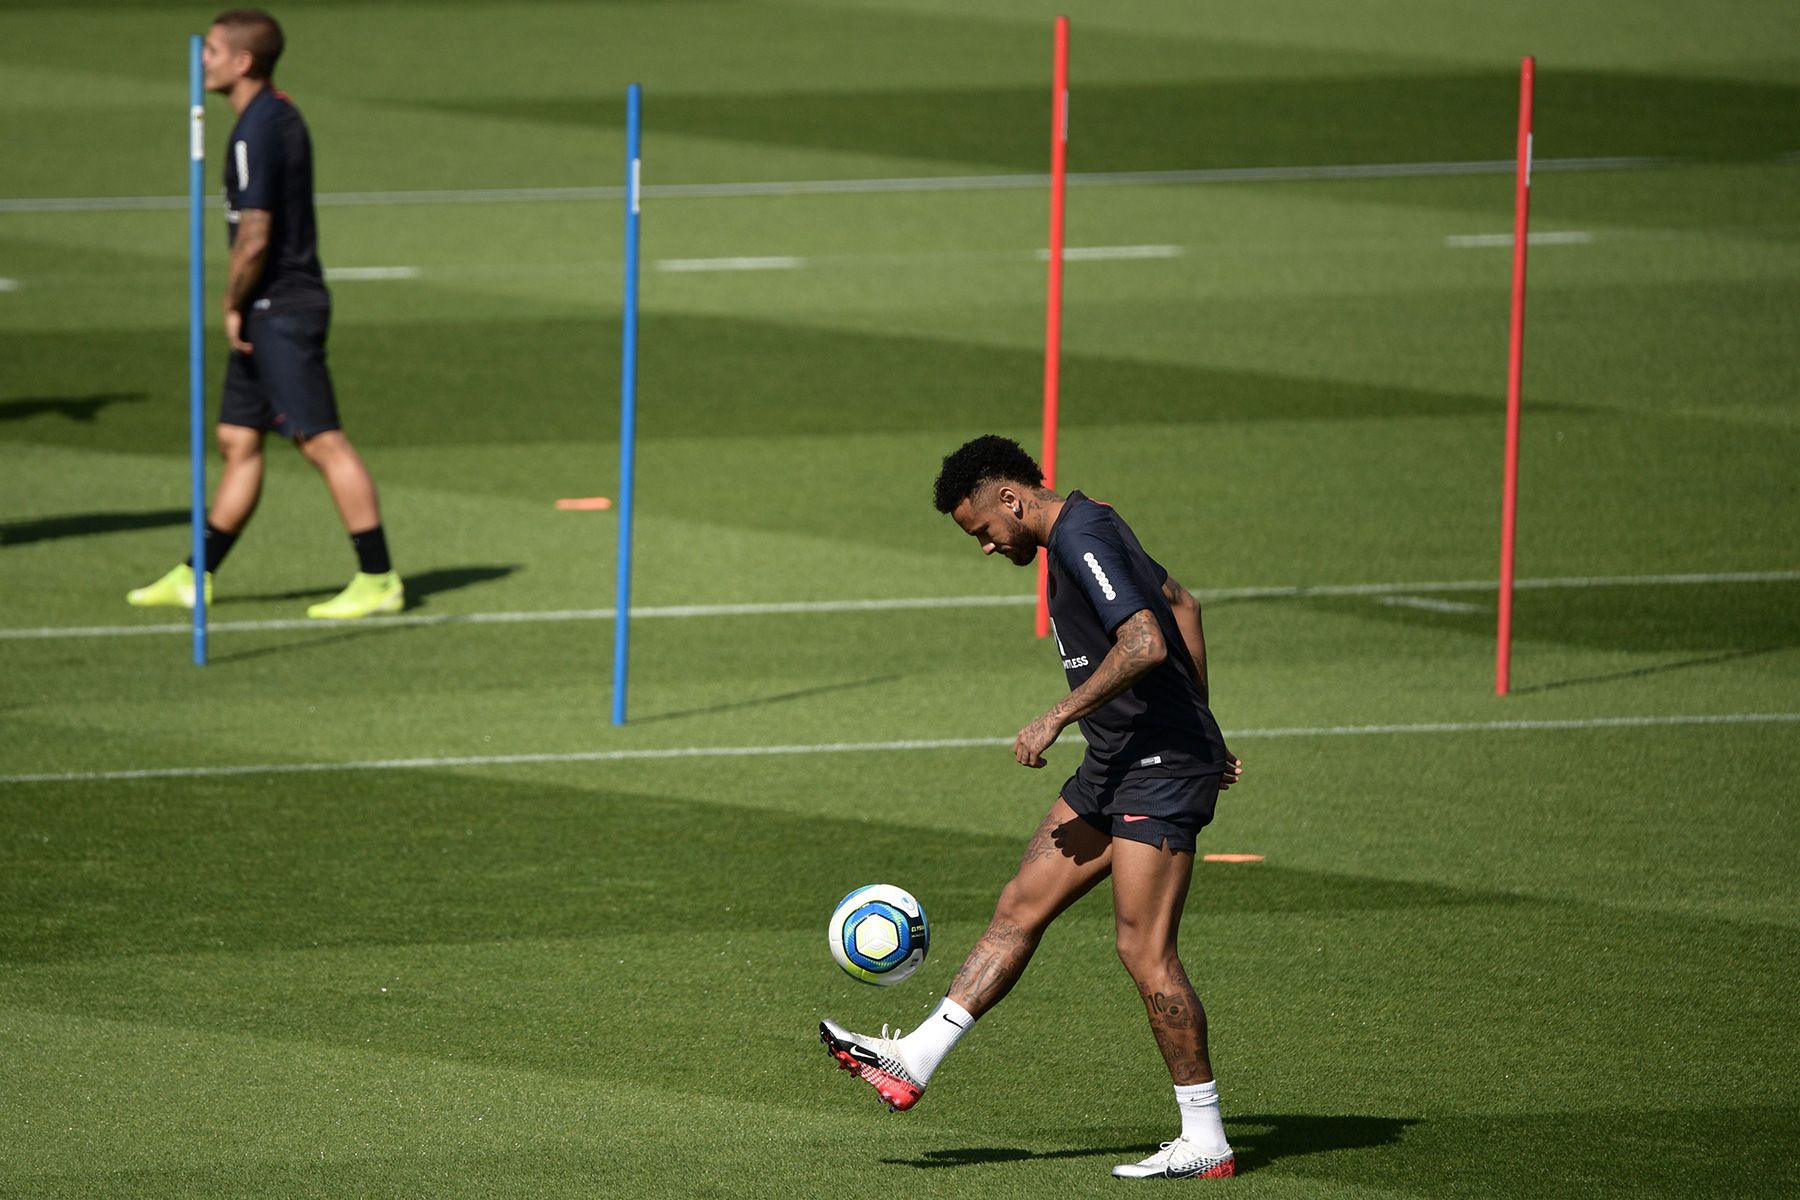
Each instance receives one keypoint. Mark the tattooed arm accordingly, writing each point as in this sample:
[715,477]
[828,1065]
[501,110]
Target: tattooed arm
[249,253]
[1138,646]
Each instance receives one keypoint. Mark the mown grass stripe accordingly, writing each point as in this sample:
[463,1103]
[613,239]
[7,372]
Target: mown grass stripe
[817,187]
[779,607]
[905,744]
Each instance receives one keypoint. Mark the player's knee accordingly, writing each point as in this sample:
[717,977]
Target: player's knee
[1146,952]
[238,445]
[322,449]
[1020,906]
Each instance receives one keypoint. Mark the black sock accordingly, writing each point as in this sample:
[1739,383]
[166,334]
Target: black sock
[371,551]
[218,545]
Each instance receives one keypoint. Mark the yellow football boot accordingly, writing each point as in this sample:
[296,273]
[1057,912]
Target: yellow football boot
[366,596]
[174,590]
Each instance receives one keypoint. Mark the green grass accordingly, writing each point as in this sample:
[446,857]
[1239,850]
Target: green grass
[1475,962]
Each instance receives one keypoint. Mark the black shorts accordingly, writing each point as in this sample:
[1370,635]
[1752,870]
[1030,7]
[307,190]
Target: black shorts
[282,386]
[1152,809]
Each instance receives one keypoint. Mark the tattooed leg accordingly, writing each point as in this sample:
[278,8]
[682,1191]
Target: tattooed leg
[1062,862]
[1149,888]
[1178,1021]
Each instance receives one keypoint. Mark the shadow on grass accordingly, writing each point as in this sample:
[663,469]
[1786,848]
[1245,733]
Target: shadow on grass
[1700,1150]
[975,1156]
[1706,623]
[761,701]
[50,529]
[1272,1137]
[83,409]
[1640,672]
[305,640]
[419,587]
[1261,1139]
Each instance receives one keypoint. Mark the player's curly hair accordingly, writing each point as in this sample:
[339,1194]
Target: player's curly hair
[988,459]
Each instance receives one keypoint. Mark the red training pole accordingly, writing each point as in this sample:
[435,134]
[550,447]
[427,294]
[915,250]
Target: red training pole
[1509,499]
[1059,144]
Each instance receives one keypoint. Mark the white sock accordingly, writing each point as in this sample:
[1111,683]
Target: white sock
[925,1047]
[1200,1123]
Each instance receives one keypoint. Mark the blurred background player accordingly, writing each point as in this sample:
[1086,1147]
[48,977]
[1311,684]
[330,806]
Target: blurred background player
[1134,653]
[277,313]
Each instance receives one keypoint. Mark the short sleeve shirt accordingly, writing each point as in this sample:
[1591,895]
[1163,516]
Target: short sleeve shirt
[1099,577]
[268,165]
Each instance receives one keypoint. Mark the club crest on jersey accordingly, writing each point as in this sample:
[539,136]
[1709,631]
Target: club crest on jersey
[1106,586]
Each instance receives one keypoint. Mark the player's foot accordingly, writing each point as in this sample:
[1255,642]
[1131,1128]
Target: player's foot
[366,596]
[1179,1159]
[877,1061]
[174,590]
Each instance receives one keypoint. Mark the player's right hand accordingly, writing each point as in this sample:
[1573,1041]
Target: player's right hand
[234,331]
[1034,739]
[1234,771]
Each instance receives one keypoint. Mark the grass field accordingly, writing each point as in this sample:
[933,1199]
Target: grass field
[393,909]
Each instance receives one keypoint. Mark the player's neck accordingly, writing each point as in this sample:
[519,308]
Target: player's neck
[244,91]
[1040,516]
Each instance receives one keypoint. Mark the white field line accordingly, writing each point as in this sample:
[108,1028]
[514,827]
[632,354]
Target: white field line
[1107,253]
[1488,585]
[1429,605]
[524,618]
[913,744]
[774,262]
[784,262]
[823,187]
[781,607]
[1473,241]
[9,285]
[333,274]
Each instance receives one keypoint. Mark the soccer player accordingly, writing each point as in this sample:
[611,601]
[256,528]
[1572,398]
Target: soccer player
[1132,647]
[277,312]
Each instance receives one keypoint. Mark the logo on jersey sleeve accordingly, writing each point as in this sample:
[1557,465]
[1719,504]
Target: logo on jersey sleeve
[1106,586]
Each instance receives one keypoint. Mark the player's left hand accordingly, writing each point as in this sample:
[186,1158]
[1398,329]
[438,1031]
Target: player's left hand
[1033,740]
[1234,771]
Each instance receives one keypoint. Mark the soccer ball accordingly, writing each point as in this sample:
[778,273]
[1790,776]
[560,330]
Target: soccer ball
[879,934]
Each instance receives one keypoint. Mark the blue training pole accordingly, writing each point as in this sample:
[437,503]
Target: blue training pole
[627,399]
[197,336]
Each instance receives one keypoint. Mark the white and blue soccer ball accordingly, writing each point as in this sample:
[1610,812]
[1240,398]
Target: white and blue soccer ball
[879,934]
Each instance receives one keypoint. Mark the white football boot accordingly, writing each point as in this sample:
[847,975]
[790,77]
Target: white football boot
[1179,1159]
[876,1061]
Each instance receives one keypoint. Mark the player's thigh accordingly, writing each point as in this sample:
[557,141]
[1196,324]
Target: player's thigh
[243,404]
[1062,862]
[1150,887]
[290,359]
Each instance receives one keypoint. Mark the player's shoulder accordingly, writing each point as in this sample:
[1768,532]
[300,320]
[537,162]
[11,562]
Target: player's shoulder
[271,109]
[1083,516]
